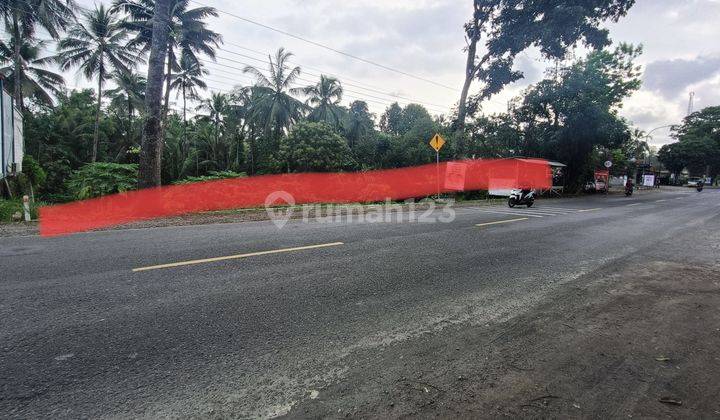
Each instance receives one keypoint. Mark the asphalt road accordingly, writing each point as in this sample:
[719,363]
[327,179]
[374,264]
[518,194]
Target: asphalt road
[91,327]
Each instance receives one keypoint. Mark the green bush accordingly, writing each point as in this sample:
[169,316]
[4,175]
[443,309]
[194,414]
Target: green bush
[212,176]
[9,207]
[101,178]
[35,173]
[315,147]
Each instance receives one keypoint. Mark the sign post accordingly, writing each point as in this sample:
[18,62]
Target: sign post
[437,142]
[26,207]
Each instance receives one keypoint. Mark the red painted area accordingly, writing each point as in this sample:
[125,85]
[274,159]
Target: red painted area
[394,184]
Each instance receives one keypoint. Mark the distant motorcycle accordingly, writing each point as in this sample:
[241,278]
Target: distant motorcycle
[521,197]
[700,186]
[629,190]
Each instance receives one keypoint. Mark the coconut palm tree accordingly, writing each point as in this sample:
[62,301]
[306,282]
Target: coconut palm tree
[128,95]
[188,34]
[325,99]
[21,19]
[274,108]
[215,107]
[98,48]
[188,79]
[36,81]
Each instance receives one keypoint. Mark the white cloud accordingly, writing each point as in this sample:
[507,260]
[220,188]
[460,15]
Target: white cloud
[425,37]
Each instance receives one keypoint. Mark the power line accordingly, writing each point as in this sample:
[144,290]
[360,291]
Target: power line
[381,101]
[434,108]
[327,47]
[358,85]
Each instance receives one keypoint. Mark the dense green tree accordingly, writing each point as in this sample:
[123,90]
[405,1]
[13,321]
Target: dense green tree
[496,136]
[568,117]
[38,83]
[60,138]
[315,147]
[673,158]
[698,146]
[391,120]
[359,123]
[411,115]
[509,27]
[98,48]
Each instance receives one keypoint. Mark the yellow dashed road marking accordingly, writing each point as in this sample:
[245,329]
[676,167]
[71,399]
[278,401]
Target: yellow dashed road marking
[235,257]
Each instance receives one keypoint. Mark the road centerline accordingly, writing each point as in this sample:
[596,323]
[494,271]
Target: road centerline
[236,256]
[501,222]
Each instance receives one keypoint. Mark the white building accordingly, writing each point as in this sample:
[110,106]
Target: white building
[11,134]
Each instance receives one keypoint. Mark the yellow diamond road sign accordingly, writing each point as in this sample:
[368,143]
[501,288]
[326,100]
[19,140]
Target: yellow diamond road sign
[437,142]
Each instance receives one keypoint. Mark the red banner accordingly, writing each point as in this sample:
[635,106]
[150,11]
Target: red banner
[305,188]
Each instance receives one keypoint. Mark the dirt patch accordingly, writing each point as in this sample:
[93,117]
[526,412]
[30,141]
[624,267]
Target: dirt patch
[641,340]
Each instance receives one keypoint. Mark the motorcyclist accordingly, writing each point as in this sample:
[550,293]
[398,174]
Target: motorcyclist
[700,185]
[524,192]
[629,186]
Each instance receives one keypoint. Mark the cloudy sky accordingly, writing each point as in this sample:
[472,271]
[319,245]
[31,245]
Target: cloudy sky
[425,38]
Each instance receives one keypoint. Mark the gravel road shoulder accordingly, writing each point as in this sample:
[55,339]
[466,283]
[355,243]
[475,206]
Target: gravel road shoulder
[637,338]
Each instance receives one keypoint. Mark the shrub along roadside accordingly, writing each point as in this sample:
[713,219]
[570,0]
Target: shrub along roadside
[10,207]
[101,178]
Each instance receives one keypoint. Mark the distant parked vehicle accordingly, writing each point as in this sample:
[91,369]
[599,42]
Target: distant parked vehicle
[694,181]
[598,185]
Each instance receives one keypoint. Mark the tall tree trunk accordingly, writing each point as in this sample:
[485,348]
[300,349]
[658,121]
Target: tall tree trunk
[97,118]
[184,114]
[130,111]
[168,81]
[17,94]
[470,70]
[149,172]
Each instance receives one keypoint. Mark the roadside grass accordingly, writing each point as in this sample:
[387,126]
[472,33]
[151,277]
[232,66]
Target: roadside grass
[10,207]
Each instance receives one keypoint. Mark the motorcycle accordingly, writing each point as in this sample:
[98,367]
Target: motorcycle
[629,190]
[699,186]
[521,197]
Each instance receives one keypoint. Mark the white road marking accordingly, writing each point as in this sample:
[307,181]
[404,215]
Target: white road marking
[509,212]
[660,201]
[634,204]
[546,212]
[501,222]
[233,257]
[558,208]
